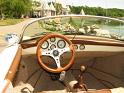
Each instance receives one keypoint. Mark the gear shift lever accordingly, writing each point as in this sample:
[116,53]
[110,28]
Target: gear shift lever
[82,69]
[80,86]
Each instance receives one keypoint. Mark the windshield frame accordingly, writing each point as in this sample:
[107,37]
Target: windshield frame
[61,16]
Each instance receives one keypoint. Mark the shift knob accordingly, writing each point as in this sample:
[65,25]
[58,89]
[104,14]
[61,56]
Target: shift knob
[83,68]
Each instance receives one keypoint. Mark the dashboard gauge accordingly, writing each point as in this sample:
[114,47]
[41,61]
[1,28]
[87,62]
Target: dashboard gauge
[81,47]
[61,44]
[76,47]
[45,45]
[52,46]
[53,39]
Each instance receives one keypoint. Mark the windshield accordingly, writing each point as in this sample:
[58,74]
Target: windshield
[76,25]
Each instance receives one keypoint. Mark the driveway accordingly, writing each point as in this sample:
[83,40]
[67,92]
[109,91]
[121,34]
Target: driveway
[11,29]
[14,28]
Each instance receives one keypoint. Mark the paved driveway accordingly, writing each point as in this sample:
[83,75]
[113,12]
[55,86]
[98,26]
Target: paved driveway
[11,29]
[14,28]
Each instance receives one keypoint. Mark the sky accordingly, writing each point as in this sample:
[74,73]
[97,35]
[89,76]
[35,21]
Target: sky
[95,3]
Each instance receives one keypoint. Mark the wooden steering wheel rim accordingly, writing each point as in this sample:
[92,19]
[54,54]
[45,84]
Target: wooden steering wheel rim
[39,54]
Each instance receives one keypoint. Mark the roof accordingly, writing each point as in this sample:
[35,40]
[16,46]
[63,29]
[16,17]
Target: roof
[45,5]
[38,8]
[82,12]
[52,7]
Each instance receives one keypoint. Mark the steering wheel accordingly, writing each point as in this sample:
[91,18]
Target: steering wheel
[55,53]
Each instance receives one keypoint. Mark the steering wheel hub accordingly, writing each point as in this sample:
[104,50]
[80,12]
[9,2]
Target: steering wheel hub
[55,53]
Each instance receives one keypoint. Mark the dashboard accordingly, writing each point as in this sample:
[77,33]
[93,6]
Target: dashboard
[81,43]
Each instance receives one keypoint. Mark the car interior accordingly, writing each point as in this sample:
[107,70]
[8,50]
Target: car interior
[71,54]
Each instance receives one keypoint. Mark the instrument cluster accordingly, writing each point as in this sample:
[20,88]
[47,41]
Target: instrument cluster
[54,43]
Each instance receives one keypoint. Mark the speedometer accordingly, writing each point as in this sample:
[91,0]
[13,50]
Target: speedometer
[61,44]
[45,45]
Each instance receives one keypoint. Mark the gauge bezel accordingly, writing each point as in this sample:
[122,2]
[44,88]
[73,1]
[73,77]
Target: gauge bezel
[52,40]
[76,47]
[52,45]
[81,45]
[47,45]
[59,42]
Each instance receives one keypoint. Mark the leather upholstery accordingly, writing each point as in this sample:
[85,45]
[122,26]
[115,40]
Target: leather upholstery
[99,91]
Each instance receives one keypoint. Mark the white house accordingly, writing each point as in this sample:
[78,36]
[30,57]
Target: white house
[46,9]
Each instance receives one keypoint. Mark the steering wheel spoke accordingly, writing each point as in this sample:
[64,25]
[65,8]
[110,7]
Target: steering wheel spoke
[58,63]
[46,53]
[66,49]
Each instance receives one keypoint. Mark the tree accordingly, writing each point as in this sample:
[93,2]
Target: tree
[21,7]
[76,10]
[15,8]
[36,3]
[2,7]
[111,12]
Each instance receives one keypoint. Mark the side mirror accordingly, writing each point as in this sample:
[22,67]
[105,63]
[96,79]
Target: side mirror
[12,38]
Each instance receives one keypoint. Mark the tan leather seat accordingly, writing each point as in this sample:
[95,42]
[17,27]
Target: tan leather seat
[99,91]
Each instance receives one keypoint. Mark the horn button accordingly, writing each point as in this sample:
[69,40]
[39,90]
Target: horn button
[55,53]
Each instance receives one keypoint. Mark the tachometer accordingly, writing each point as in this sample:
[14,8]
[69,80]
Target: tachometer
[61,44]
[45,45]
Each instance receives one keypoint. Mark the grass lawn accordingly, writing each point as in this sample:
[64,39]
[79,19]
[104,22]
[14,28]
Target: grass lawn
[7,22]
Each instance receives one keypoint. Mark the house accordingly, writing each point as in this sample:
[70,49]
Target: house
[45,9]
